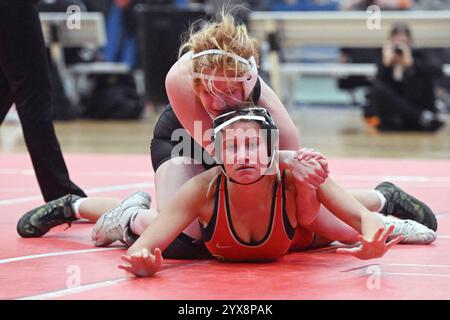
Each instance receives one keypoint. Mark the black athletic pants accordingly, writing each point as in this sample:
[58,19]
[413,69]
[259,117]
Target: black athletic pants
[394,111]
[24,80]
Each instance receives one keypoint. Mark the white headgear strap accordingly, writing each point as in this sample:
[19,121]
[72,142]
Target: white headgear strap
[248,79]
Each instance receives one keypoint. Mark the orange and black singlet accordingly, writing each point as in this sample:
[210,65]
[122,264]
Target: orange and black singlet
[223,242]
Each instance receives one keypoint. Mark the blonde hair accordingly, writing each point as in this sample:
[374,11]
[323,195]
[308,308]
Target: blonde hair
[223,34]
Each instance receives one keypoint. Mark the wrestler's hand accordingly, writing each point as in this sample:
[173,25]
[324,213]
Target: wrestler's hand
[142,263]
[309,168]
[308,154]
[375,248]
[308,173]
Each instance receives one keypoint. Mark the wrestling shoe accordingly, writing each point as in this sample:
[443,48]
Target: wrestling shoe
[129,237]
[39,221]
[401,205]
[112,225]
[412,231]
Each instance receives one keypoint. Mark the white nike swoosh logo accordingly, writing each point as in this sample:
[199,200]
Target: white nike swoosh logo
[219,246]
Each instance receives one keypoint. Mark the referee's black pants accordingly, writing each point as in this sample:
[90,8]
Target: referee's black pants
[24,80]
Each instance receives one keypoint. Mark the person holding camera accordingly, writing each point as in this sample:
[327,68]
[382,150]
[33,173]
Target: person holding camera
[402,95]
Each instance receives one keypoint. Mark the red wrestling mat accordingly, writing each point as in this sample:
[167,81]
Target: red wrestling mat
[65,265]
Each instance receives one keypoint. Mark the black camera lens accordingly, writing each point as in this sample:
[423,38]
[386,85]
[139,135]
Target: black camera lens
[398,50]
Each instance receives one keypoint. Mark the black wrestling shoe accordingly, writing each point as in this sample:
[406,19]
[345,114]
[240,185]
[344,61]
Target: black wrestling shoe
[401,205]
[39,221]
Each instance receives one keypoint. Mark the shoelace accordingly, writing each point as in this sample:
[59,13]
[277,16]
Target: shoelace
[409,229]
[51,218]
[115,230]
[403,203]
[399,227]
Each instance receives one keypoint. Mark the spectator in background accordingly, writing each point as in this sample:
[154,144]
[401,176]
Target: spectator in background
[121,45]
[402,95]
[121,29]
[360,54]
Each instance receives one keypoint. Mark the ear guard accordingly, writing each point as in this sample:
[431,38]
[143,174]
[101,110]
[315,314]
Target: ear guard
[258,114]
[249,78]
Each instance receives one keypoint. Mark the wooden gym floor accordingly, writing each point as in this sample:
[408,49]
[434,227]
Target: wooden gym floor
[336,132]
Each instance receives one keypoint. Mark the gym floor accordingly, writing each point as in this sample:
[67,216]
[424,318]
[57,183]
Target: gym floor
[65,265]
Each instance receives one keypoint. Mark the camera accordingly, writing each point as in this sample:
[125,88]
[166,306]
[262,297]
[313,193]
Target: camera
[398,50]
